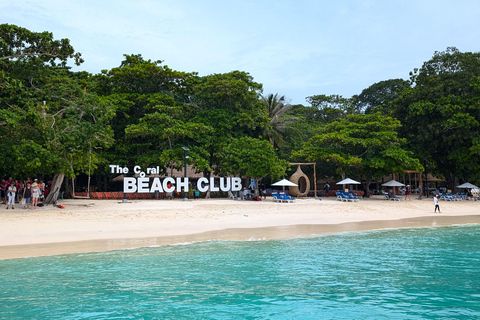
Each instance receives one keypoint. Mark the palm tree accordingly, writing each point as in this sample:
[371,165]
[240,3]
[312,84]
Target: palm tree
[279,123]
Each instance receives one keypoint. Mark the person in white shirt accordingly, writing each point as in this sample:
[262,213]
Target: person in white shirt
[435,202]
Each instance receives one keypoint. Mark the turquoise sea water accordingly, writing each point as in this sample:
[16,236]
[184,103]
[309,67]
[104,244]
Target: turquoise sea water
[424,273]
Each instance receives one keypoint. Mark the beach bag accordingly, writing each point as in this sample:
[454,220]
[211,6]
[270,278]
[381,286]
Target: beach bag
[23,202]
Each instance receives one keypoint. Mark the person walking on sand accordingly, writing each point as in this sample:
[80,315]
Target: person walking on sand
[435,202]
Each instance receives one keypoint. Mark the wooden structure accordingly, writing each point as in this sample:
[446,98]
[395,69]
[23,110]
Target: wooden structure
[302,180]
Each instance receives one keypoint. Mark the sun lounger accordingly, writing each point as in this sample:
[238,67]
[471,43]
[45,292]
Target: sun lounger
[286,198]
[393,198]
[282,198]
[354,196]
[454,197]
[276,197]
[444,197]
[345,197]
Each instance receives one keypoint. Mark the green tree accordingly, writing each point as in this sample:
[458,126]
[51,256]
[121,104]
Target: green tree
[440,114]
[229,104]
[48,121]
[164,133]
[17,43]
[143,92]
[377,97]
[251,157]
[366,144]
[326,109]
[279,121]
[60,134]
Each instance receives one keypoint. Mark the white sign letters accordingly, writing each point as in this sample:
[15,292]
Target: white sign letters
[142,184]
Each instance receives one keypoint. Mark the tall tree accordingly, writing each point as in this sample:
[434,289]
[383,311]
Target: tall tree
[330,108]
[250,157]
[377,97]
[17,43]
[143,91]
[50,122]
[229,104]
[368,144]
[279,120]
[441,114]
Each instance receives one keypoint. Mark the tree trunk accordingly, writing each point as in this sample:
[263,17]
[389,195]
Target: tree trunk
[367,187]
[54,189]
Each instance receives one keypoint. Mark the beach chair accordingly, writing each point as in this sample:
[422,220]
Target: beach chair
[454,197]
[353,195]
[276,197]
[349,197]
[286,198]
[356,195]
[444,197]
[345,197]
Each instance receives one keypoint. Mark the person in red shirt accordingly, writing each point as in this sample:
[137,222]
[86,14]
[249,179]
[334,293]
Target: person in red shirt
[3,188]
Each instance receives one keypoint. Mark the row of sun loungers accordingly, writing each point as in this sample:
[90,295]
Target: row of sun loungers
[453,197]
[392,197]
[347,196]
[282,197]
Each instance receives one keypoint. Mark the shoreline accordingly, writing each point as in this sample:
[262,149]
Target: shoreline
[106,225]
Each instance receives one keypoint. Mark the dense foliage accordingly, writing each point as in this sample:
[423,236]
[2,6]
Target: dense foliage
[55,122]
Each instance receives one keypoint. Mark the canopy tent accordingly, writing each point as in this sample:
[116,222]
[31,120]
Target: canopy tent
[393,183]
[467,185]
[348,181]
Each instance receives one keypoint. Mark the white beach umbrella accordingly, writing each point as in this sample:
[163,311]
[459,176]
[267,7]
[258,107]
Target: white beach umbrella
[393,183]
[467,185]
[348,181]
[284,183]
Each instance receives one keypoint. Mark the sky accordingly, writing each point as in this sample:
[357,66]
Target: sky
[294,48]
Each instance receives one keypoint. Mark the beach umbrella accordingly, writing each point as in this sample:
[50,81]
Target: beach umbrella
[393,183]
[348,181]
[467,185]
[284,183]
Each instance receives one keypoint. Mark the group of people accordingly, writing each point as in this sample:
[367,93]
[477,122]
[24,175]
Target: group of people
[27,192]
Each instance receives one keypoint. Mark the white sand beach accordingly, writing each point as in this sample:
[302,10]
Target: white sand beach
[99,225]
